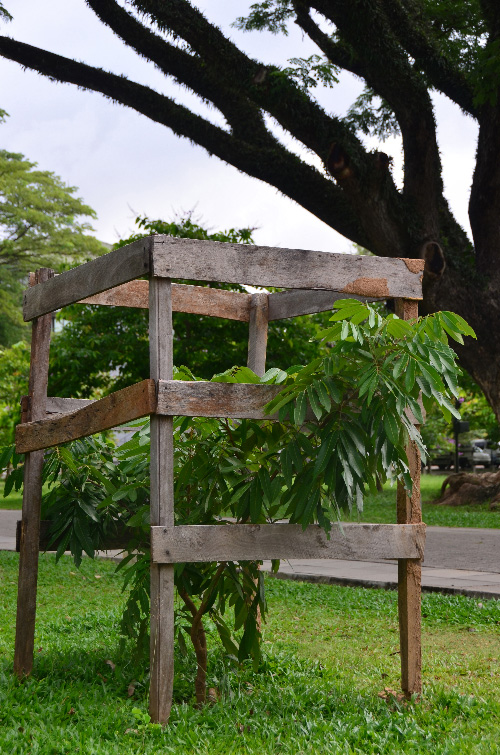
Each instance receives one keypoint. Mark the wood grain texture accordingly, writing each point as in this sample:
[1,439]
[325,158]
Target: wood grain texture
[196,300]
[204,399]
[57,405]
[257,333]
[409,510]
[377,277]
[256,542]
[161,505]
[32,491]
[130,403]
[105,272]
[285,304]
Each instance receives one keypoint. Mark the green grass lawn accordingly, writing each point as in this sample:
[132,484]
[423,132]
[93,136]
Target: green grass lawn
[382,508]
[328,652]
[14,500]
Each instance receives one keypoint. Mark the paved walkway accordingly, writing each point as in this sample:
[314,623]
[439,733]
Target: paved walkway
[457,560]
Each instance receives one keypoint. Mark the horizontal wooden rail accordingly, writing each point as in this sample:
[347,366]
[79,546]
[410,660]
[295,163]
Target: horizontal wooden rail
[105,272]
[378,277]
[285,304]
[257,542]
[204,399]
[130,403]
[196,300]
[57,405]
[165,256]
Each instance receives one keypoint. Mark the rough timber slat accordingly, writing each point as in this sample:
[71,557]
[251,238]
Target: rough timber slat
[409,510]
[245,542]
[130,403]
[57,405]
[161,506]
[105,272]
[32,492]
[304,302]
[377,277]
[257,333]
[204,399]
[196,300]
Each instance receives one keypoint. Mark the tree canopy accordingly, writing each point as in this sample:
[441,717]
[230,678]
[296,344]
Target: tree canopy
[404,51]
[42,224]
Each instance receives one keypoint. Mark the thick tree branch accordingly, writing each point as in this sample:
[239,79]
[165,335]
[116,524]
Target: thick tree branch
[275,166]
[262,84]
[244,118]
[366,29]
[336,52]
[417,37]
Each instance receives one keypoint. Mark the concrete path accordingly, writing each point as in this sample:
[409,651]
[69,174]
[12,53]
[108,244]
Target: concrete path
[457,560]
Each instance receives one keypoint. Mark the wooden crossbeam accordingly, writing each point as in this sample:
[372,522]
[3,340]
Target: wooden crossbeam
[256,542]
[123,406]
[57,405]
[285,304]
[105,272]
[168,257]
[377,277]
[204,399]
[196,300]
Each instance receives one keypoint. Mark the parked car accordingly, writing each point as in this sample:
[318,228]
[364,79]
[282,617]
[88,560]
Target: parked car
[489,448]
[468,456]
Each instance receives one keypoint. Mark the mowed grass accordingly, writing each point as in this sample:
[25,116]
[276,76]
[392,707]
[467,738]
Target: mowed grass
[328,652]
[381,508]
[13,501]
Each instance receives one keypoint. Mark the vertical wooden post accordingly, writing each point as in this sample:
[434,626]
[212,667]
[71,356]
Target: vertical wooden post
[32,492]
[162,505]
[409,511]
[257,348]
[257,336]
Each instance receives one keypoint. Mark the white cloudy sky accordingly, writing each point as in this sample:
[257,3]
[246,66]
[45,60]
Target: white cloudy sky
[125,165]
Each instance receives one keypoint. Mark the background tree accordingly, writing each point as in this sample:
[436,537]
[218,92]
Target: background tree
[42,224]
[403,50]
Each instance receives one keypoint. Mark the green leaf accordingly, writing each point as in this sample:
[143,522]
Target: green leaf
[313,400]
[410,374]
[459,323]
[324,454]
[299,413]
[83,537]
[400,366]
[323,394]
[399,328]
[391,427]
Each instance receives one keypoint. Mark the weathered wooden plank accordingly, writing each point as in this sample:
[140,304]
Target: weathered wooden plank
[105,272]
[409,510]
[298,302]
[32,492]
[204,399]
[161,505]
[196,300]
[256,542]
[257,335]
[57,405]
[130,403]
[377,277]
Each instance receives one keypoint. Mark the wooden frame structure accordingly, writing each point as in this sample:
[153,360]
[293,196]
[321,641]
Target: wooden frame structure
[314,281]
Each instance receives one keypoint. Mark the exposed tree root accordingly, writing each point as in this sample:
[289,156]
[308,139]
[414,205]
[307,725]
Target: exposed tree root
[465,488]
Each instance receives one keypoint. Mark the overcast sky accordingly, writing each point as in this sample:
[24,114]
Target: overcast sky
[124,165]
